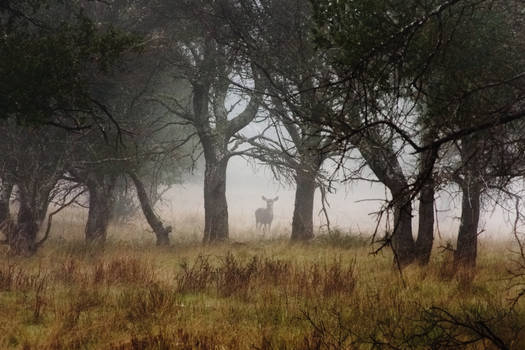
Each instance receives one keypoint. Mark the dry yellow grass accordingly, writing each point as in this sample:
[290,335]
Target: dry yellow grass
[330,294]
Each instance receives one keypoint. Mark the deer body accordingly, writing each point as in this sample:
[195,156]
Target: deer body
[264,216]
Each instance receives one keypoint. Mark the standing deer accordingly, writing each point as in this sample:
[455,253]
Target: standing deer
[264,216]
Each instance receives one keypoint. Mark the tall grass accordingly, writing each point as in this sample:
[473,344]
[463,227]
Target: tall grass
[330,294]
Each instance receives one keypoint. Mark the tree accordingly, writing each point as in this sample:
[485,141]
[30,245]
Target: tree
[142,129]
[49,53]
[100,182]
[50,56]
[161,231]
[385,54]
[207,58]
[279,38]
[37,160]
[370,45]
[468,92]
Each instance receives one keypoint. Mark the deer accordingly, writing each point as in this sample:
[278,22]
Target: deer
[264,216]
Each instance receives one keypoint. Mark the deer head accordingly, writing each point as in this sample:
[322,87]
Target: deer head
[269,202]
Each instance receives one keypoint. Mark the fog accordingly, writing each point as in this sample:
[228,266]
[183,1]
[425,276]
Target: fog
[352,207]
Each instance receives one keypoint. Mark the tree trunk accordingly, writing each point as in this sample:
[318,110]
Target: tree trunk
[34,202]
[5,195]
[384,163]
[471,187]
[425,235]
[402,240]
[23,235]
[302,223]
[215,205]
[154,221]
[101,201]
[467,245]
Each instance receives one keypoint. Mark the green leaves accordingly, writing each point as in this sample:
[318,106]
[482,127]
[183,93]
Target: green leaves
[458,54]
[47,66]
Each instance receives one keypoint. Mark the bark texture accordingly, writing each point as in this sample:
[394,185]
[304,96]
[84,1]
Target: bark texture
[302,223]
[161,232]
[215,204]
[100,187]
[467,245]
[425,235]
[471,185]
[402,240]
[215,129]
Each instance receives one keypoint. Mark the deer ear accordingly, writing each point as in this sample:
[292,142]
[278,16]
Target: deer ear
[264,198]
[276,198]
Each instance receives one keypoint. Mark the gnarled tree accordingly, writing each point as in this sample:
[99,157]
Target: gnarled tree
[209,60]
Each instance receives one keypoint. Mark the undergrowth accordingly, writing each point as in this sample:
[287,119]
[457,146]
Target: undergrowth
[330,294]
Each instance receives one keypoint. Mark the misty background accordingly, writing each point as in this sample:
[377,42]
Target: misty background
[352,207]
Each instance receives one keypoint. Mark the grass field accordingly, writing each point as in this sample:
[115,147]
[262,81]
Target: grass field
[330,294]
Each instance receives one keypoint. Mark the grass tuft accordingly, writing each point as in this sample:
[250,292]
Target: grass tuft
[330,294]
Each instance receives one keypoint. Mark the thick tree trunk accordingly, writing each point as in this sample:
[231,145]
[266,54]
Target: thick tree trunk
[402,240]
[5,195]
[215,204]
[161,232]
[471,186]
[22,240]
[21,237]
[216,128]
[425,236]
[467,245]
[302,223]
[101,201]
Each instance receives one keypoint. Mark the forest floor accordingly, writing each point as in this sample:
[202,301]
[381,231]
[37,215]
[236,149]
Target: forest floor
[329,294]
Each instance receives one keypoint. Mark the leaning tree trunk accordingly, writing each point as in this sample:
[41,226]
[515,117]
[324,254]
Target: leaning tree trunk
[302,223]
[384,163]
[215,204]
[5,195]
[162,232]
[467,245]
[101,202]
